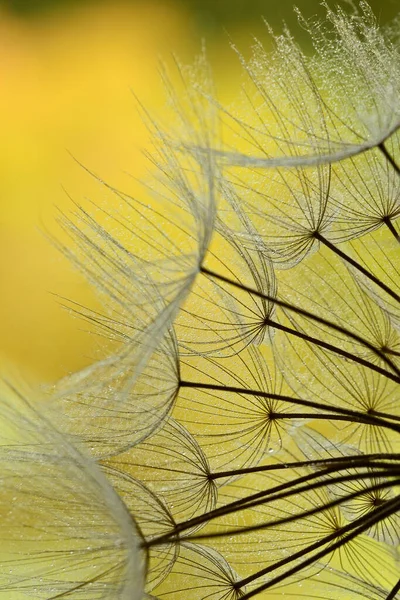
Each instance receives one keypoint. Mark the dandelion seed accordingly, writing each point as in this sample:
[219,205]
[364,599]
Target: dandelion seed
[65,532]
[101,403]
[287,209]
[367,194]
[215,321]
[341,102]
[236,430]
[153,519]
[174,468]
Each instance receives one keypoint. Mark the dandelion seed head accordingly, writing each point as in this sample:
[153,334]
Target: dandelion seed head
[247,417]
[100,404]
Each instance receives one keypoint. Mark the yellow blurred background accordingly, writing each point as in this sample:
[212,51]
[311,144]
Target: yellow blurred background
[67,72]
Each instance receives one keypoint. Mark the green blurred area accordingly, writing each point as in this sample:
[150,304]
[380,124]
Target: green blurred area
[212,15]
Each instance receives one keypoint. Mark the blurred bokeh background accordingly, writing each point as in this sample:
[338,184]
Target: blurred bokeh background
[67,71]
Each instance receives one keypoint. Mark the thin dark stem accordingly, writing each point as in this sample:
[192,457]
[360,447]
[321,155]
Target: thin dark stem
[389,157]
[332,348]
[390,351]
[318,236]
[328,417]
[393,592]
[377,413]
[316,318]
[391,228]
[344,462]
[367,418]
